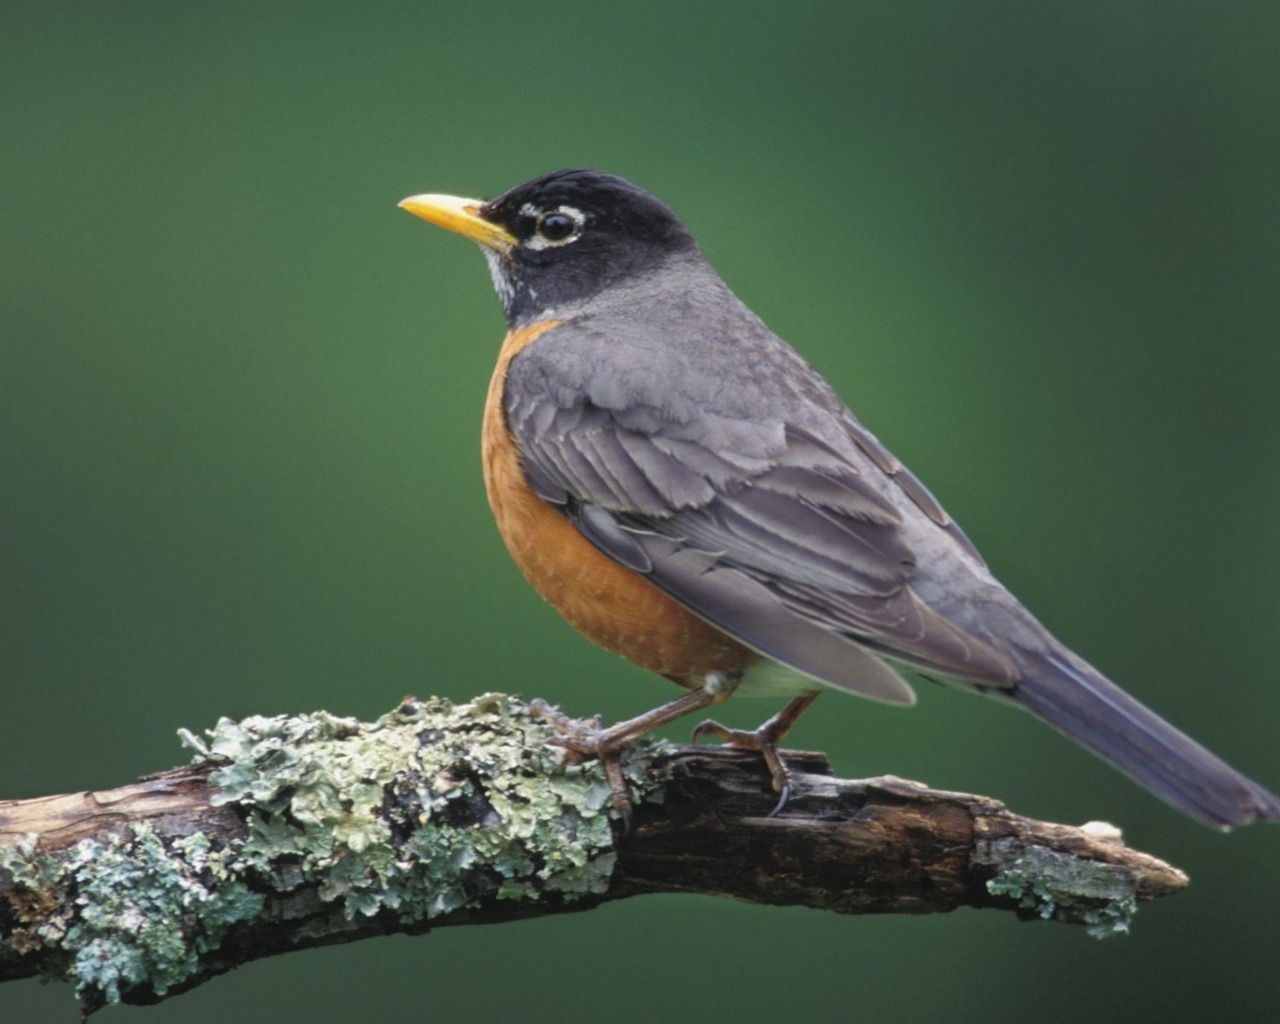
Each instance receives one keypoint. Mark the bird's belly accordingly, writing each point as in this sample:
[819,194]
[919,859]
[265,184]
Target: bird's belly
[608,604]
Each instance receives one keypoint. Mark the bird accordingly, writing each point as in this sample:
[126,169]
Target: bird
[689,493]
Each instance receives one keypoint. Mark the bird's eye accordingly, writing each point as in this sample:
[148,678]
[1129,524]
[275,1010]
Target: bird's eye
[555,227]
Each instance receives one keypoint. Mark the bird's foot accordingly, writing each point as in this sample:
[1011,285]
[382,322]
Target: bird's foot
[765,739]
[583,738]
[590,739]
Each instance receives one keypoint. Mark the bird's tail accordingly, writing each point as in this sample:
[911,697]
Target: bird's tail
[1074,697]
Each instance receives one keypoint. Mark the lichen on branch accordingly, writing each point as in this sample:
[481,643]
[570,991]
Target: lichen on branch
[291,832]
[433,810]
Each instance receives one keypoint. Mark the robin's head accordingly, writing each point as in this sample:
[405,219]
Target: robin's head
[563,237]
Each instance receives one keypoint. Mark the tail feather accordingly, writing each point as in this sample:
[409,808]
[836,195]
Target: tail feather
[1076,699]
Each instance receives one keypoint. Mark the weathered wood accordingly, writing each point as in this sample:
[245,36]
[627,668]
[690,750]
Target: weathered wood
[882,845]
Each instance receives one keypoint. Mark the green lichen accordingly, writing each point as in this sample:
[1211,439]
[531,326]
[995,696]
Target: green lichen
[434,808]
[1060,887]
[129,909]
[430,810]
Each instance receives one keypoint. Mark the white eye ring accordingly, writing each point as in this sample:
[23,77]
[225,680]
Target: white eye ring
[555,227]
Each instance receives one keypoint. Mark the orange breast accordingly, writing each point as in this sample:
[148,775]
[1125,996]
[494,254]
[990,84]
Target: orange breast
[608,604]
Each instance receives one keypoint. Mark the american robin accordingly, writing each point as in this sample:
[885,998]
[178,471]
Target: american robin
[689,493]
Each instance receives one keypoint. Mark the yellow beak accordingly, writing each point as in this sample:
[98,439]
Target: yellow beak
[462,216]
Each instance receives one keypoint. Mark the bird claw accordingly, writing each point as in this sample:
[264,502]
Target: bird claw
[590,739]
[581,739]
[765,739]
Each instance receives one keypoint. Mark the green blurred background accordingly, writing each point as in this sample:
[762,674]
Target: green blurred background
[1034,245]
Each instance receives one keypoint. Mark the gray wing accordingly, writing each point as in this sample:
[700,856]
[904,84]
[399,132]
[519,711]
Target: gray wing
[704,453]
[756,524]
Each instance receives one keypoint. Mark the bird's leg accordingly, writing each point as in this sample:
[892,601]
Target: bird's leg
[588,738]
[765,739]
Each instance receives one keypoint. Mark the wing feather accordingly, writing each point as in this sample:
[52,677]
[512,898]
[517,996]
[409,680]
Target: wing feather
[764,529]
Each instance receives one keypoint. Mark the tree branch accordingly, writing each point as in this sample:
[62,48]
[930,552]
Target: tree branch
[293,832]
